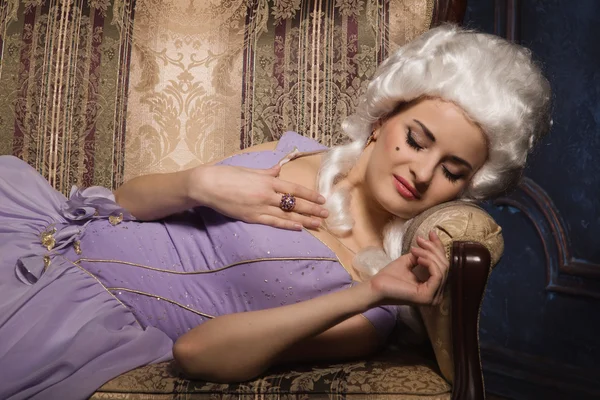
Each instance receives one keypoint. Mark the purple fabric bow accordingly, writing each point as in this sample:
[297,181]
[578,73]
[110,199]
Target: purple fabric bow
[92,202]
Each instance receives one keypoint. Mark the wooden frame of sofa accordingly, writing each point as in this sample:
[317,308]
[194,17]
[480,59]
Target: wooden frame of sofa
[470,268]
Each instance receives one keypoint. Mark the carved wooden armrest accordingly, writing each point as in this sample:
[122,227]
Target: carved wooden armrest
[470,268]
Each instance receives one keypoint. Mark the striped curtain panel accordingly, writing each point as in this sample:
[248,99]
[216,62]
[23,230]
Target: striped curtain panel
[94,92]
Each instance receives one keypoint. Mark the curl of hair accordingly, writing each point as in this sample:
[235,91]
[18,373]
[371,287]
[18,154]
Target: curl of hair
[495,82]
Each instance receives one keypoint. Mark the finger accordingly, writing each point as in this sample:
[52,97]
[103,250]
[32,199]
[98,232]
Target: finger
[407,260]
[280,223]
[441,263]
[435,239]
[273,171]
[300,191]
[439,251]
[306,221]
[442,290]
[432,267]
[427,253]
[435,279]
[437,247]
[433,236]
[303,207]
[420,252]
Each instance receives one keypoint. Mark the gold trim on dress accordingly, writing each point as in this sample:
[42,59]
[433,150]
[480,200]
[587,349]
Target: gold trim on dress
[295,154]
[370,322]
[330,249]
[101,284]
[210,271]
[114,289]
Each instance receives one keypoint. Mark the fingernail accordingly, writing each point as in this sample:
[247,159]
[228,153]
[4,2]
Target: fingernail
[322,199]
[324,213]
[298,227]
[315,223]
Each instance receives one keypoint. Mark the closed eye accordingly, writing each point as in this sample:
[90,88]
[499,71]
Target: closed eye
[410,140]
[450,176]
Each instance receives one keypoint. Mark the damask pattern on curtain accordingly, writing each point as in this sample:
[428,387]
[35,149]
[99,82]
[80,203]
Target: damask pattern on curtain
[94,92]
[63,85]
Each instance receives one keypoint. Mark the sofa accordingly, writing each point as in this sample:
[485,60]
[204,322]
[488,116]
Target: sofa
[94,92]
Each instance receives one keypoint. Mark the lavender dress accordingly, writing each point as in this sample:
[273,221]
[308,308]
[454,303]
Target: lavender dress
[87,293]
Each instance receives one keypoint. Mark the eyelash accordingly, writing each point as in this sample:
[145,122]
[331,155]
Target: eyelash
[450,176]
[410,140]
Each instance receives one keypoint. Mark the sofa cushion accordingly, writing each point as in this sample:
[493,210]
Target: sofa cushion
[392,373]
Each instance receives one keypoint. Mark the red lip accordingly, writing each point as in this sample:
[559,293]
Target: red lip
[405,189]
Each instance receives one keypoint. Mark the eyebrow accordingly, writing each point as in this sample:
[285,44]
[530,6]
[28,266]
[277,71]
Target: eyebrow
[431,137]
[426,130]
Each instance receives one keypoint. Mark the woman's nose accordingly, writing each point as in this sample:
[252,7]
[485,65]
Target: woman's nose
[422,175]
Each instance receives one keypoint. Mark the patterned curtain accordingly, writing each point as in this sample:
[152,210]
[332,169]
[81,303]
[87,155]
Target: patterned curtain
[63,85]
[94,92]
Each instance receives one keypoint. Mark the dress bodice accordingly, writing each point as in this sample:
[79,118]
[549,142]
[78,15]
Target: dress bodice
[176,273]
[97,293]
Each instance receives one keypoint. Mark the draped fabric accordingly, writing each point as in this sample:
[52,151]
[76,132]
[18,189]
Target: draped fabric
[93,92]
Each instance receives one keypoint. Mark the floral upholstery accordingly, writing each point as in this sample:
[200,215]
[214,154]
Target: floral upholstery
[399,373]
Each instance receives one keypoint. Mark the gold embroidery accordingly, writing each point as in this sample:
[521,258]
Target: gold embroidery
[210,271]
[104,287]
[77,247]
[46,262]
[115,219]
[115,289]
[96,213]
[48,240]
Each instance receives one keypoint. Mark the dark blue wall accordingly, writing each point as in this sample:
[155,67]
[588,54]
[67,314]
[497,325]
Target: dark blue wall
[540,340]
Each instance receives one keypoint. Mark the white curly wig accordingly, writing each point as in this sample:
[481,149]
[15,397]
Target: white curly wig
[495,82]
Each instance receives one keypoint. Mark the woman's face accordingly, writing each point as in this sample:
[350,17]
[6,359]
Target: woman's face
[422,156]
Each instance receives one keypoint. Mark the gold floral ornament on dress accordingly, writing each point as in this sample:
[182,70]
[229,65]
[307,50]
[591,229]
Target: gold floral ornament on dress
[47,238]
[115,219]
[77,247]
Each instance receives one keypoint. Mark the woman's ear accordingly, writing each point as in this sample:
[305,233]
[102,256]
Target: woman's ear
[376,130]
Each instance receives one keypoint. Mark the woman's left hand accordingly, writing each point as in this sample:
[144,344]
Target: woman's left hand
[418,277]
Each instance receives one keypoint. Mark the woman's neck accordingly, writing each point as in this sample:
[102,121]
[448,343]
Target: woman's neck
[369,218]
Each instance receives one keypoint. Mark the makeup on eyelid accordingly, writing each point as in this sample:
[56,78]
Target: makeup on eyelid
[410,140]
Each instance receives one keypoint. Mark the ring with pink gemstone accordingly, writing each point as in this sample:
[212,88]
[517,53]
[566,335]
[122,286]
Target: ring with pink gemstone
[288,202]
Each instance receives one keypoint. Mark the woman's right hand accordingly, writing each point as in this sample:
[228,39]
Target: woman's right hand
[254,195]
[398,283]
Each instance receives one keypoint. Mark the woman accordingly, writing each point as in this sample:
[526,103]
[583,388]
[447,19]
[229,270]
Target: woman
[87,292]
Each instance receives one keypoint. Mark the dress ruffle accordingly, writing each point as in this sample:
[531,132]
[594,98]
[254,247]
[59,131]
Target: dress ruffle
[82,207]
[62,334]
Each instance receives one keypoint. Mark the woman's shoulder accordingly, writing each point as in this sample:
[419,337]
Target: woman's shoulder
[268,154]
[291,141]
